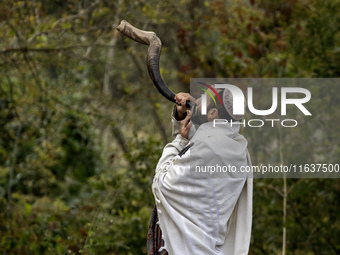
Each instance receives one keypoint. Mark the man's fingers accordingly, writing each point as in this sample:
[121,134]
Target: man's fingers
[188,126]
[185,126]
[187,118]
[182,98]
[176,99]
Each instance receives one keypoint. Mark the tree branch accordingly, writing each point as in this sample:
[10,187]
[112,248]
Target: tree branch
[27,49]
[14,154]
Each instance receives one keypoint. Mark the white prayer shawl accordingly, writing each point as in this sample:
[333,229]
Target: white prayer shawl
[200,213]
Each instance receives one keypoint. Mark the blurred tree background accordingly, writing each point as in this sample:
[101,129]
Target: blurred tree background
[79,142]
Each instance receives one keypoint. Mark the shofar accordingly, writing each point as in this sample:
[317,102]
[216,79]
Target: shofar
[154,53]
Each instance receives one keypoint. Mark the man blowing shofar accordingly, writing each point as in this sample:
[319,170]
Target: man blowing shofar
[196,212]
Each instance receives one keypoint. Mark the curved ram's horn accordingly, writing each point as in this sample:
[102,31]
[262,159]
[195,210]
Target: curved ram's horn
[154,53]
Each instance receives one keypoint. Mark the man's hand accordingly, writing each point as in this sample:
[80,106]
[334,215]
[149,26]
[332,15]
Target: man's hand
[181,99]
[185,126]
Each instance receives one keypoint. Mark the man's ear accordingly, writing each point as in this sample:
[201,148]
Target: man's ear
[212,114]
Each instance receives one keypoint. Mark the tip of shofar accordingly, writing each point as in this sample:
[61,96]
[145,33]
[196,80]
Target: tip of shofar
[121,26]
[141,36]
[155,45]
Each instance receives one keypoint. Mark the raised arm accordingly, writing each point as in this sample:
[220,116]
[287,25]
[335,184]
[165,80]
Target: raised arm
[182,130]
